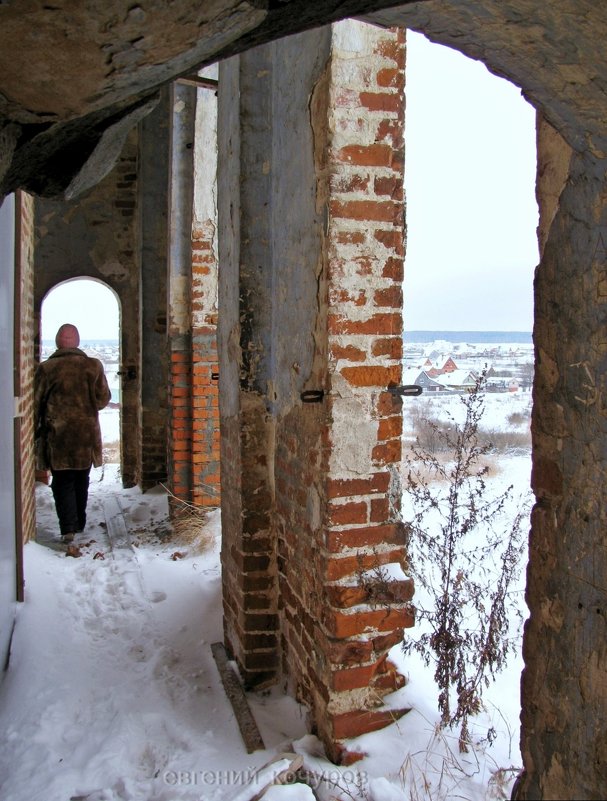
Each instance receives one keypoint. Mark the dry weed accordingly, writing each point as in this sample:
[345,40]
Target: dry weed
[188,523]
[489,463]
[111,452]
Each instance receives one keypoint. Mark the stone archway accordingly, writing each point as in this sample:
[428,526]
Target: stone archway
[551,52]
[94,308]
[95,238]
[563,689]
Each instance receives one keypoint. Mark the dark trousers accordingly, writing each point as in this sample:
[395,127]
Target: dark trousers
[70,491]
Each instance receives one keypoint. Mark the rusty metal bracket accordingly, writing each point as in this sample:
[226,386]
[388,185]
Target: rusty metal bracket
[130,372]
[312,395]
[406,390]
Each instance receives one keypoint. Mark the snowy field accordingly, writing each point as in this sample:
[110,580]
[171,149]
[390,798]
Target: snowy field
[112,693]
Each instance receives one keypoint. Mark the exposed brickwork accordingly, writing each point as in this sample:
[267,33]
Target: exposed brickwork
[180,420]
[310,491]
[24,368]
[96,236]
[206,489]
[249,553]
[193,436]
[363,522]
[301,464]
[553,57]
[337,496]
[193,307]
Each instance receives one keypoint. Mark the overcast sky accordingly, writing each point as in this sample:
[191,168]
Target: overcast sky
[89,305]
[471,210]
[470,181]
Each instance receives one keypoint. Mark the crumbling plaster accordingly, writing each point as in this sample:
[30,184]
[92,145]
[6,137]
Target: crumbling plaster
[204,210]
[352,445]
[268,283]
[70,71]
[56,107]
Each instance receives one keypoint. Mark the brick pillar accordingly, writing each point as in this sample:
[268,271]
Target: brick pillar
[206,488]
[245,346]
[25,497]
[194,371]
[179,281]
[564,694]
[363,528]
[311,216]
[154,171]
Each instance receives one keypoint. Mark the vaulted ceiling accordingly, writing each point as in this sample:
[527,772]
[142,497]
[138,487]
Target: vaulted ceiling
[76,75]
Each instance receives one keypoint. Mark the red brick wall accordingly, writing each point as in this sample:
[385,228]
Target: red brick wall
[194,435]
[301,467]
[194,387]
[205,368]
[249,544]
[311,491]
[180,421]
[24,366]
[366,252]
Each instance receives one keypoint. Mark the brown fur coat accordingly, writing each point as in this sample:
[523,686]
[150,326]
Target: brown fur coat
[69,390]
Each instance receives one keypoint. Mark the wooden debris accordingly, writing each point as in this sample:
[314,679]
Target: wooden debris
[236,695]
[116,525]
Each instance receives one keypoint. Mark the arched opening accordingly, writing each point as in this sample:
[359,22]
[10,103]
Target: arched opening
[570,337]
[471,252]
[94,309]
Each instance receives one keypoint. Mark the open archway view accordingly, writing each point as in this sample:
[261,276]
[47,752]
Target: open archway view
[94,309]
[468,313]
[169,667]
[307,334]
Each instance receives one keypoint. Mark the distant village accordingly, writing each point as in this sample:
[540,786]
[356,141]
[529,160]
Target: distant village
[440,366]
[445,367]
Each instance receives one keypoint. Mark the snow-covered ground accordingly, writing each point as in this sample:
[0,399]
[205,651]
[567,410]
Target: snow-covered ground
[112,692]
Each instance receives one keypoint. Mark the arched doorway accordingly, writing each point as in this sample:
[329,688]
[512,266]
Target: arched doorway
[94,309]
[554,57]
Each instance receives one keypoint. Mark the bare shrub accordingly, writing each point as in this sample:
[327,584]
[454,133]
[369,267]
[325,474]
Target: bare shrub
[432,434]
[504,441]
[465,555]
[426,427]
[517,418]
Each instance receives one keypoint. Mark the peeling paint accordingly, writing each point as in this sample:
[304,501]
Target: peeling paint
[179,305]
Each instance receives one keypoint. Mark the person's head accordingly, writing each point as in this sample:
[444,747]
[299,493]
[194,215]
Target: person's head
[67,336]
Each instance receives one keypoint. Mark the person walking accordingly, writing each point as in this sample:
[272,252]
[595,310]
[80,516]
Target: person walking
[70,388]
